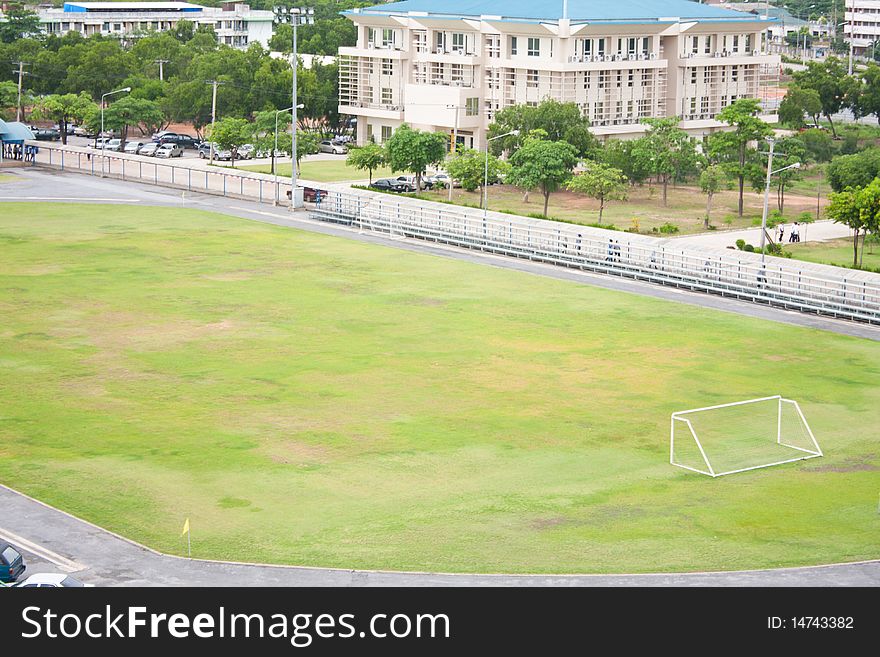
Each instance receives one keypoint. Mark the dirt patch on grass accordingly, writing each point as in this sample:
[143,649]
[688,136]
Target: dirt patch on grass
[121,330]
[852,464]
[237,275]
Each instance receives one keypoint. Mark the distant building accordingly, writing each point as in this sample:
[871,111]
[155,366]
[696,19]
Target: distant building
[862,24]
[450,65]
[235,24]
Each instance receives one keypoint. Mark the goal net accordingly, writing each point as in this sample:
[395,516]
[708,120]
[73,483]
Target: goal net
[745,435]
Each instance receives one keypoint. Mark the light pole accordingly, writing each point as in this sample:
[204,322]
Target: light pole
[275,150]
[486,173]
[296,16]
[770,172]
[454,141]
[104,143]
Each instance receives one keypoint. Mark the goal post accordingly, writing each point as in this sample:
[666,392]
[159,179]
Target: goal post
[740,436]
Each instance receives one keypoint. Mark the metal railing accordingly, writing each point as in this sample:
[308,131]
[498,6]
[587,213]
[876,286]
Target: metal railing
[780,282]
[791,284]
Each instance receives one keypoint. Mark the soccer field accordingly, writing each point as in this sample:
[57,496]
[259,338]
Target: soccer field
[305,399]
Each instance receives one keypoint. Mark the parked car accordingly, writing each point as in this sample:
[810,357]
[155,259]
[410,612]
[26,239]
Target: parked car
[169,150]
[149,149]
[46,134]
[159,136]
[441,179]
[311,195]
[389,185]
[51,581]
[184,141]
[336,148]
[99,143]
[83,131]
[134,147]
[114,145]
[11,563]
[269,154]
[410,182]
[245,152]
[204,149]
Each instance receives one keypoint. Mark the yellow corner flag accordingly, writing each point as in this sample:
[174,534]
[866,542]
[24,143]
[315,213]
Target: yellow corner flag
[185,528]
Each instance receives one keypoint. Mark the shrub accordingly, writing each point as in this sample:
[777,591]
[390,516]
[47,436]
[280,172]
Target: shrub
[741,245]
[668,228]
[749,248]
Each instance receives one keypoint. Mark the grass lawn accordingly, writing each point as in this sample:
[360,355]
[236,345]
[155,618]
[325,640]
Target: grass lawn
[644,210]
[335,170]
[306,399]
[5,177]
[835,252]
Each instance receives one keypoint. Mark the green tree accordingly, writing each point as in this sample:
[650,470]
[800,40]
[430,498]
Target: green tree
[829,80]
[560,121]
[601,182]
[845,208]
[414,151]
[869,212]
[368,157]
[819,145]
[731,149]
[64,108]
[306,144]
[542,164]
[129,111]
[797,103]
[230,133]
[788,151]
[712,180]
[618,153]
[469,167]
[264,137]
[855,170]
[666,151]
[19,23]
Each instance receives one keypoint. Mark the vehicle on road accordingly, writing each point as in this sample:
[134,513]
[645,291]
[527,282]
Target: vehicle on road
[11,562]
[311,195]
[328,146]
[51,581]
[169,150]
[99,143]
[159,136]
[149,149]
[134,147]
[113,145]
[46,134]
[184,141]
[389,185]
[410,182]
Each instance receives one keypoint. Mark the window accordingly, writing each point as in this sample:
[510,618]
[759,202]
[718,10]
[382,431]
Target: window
[707,49]
[619,77]
[587,47]
[602,78]
[736,43]
[693,75]
[387,67]
[600,46]
[693,105]
[458,42]
[695,44]
[472,107]
[370,136]
[386,96]
[387,38]
[386,132]
[734,73]
[707,75]
[457,72]
[748,43]
[532,77]
[631,46]
[440,41]
[629,80]
[587,80]
[645,45]
[512,46]
[534,47]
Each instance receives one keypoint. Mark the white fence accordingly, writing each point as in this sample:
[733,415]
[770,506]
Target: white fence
[780,282]
[791,284]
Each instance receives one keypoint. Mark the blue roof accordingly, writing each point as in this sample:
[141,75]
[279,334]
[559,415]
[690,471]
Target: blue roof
[578,10]
[13,131]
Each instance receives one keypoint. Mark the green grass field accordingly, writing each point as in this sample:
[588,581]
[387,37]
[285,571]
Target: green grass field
[335,170]
[835,252]
[305,399]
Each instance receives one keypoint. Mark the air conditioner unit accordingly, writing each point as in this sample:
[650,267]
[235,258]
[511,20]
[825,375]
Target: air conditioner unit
[653,56]
[618,58]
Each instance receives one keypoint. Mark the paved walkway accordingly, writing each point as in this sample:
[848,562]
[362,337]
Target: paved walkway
[815,232]
[104,559]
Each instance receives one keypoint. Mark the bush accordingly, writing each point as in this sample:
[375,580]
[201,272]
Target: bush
[667,229]
[741,245]
[749,248]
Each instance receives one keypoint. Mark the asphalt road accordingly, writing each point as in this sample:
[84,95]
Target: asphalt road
[56,541]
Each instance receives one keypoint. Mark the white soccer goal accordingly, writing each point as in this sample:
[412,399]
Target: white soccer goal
[745,435]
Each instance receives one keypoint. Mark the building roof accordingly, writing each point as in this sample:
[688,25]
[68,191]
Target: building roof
[14,131]
[578,10]
[129,6]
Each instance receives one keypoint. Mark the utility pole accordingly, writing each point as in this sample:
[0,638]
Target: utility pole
[454,144]
[214,84]
[21,73]
[161,63]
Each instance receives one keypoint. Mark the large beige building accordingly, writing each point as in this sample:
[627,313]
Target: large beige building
[862,24]
[445,65]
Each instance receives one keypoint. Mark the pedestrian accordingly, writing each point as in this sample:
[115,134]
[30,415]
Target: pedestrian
[796,233]
[617,250]
[793,234]
[610,250]
[781,232]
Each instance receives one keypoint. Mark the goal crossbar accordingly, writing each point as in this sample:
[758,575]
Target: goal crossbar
[678,416]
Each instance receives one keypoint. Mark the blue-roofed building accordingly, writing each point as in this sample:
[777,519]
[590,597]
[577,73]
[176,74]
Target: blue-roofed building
[235,23]
[450,66]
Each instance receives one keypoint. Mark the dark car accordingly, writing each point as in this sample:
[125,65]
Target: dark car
[311,195]
[389,185]
[47,134]
[184,141]
[11,563]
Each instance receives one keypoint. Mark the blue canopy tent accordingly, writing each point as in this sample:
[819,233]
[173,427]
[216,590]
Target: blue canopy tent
[12,141]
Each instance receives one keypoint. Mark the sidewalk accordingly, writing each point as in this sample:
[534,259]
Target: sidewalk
[818,231]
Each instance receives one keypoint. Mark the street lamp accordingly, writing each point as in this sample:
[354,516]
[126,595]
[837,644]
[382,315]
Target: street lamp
[275,150]
[770,172]
[296,16]
[104,143]
[486,173]
[454,141]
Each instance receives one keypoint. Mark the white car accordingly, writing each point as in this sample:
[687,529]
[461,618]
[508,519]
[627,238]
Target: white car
[245,152]
[169,151]
[134,147]
[51,581]
[328,146]
[149,149]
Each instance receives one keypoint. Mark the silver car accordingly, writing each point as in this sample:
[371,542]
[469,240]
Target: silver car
[149,149]
[169,150]
[328,146]
[134,147]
